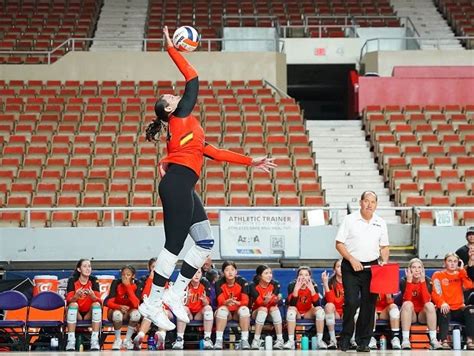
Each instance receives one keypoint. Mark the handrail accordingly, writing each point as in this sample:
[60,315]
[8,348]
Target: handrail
[274,87]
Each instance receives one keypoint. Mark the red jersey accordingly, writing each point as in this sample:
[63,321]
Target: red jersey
[85,302]
[121,294]
[448,288]
[258,293]
[336,296]
[194,302]
[383,302]
[304,301]
[146,283]
[238,291]
[417,293]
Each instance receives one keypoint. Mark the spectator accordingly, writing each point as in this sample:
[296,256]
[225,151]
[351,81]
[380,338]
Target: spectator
[265,297]
[334,295]
[232,301]
[448,296]
[83,303]
[198,308]
[417,305]
[123,301]
[303,303]
[463,251]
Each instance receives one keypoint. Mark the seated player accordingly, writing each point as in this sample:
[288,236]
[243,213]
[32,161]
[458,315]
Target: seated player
[123,301]
[232,304]
[265,297]
[198,308]
[83,303]
[386,309]
[334,295]
[417,305]
[302,302]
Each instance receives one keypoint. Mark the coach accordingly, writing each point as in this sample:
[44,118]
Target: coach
[361,239]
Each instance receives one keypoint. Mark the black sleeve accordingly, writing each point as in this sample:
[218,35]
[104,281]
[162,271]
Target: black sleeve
[253,294]
[429,284]
[112,291]
[218,286]
[276,287]
[95,284]
[293,300]
[188,101]
[462,252]
[139,290]
[470,272]
[207,286]
[70,285]
[403,285]
[243,284]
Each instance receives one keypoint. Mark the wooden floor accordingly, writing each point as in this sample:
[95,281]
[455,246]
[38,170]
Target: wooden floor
[247,353]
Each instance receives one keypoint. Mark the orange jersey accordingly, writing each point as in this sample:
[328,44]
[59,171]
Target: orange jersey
[237,291]
[258,292]
[84,302]
[336,296]
[194,302]
[304,301]
[448,288]
[383,302]
[121,294]
[417,293]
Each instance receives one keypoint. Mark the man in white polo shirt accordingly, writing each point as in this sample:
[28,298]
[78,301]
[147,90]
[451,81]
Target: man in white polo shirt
[361,240]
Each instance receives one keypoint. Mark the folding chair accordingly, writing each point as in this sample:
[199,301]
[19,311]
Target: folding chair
[15,305]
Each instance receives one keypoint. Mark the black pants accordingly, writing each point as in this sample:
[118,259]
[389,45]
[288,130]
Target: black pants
[357,294]
[182,207]
[464,316]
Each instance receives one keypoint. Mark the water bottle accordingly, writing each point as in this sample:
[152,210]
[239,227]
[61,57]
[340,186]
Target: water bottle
[54,344]
[201,344]
[383,342]
[314,343]
[456,339]
[268,342]
[304,343]
[151,343]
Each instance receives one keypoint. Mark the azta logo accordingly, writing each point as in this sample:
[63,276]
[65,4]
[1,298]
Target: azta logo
[247,240]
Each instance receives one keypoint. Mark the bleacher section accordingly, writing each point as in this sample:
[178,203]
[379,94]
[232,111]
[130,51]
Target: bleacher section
[210,17]
[426,154]
[31,25]
[82,144]
[460,16]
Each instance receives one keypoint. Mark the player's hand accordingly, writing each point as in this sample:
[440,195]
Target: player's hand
[356,265]
[324,277]
[409,275]
[422,275]
[264,163]
[79,293]
[311,286]
[267,298]
[445,308]
[460,265]
[124,308]
[169,43]
[236,302]
[162,167]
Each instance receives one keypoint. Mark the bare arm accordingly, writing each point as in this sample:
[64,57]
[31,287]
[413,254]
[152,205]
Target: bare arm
[341,248]
[384,253]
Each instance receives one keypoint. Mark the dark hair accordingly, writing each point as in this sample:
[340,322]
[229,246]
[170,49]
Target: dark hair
[332,280]
[76,274]
[151,261]
[362,196]
[156,125]
[228,263]
[258,272]
[212,275]
[130,267]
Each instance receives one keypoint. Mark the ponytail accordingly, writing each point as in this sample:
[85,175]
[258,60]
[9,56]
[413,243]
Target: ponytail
[154,128]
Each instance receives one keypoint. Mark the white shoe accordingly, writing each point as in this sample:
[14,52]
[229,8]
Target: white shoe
[435,345]
[95,345]
[117,344]
[137,343]
[373,343]
[208,345]
[289,345]
[322,345]
[332,345]
[256,344]
[278,345]
[406,345]
[155,312]
[127,344]
[396,344]
[218,345]
[244,345]
[178,344]
[176,305]
[71,344]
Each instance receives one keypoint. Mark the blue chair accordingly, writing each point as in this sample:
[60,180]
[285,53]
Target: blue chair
[46,316]
[15,305]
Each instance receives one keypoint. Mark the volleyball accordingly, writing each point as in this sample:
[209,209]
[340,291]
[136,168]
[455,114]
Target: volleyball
[186,39]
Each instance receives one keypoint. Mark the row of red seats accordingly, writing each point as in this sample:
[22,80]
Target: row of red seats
[460,16]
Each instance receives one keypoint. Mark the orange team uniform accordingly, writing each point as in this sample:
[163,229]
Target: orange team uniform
[186,140]
[304,301]
[448,288]
[418,294]
[121,294]
[257,294]
[84,302]
[336,296]
[382,302]
[237,291]
[194,302]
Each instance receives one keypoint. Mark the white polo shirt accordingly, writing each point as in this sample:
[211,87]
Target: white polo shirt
[363,239]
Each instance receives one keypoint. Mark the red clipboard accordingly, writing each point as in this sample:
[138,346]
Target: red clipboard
[385,279]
